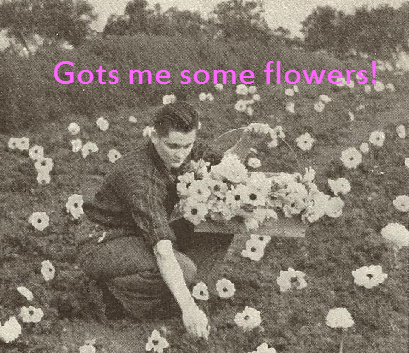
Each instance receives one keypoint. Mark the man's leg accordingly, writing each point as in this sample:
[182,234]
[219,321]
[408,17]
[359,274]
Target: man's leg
[129,270]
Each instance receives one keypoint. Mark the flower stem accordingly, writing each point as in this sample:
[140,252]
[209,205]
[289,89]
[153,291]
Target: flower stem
[341,346]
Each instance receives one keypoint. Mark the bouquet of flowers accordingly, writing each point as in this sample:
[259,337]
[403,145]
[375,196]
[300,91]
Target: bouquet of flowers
[229,191]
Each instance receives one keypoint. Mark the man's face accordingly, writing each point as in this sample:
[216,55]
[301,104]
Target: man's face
[174,148]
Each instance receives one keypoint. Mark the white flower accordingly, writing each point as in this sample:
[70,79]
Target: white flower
[256,97]
[87,348]
[295,88]
[396,233]
[25,292]
[254,163]
[200,291]
[242,89]
[230,168]
[13,143]
[248,319]
[249,111]
[31,314]
[367,89]
[252,89]
[76,145]
[199,190]
[254,250]
[319,106]
[114,155]
[43,177]
[225,288]
[339,317]
[379,86]
[364,148]
[351,116]
[10,331]
[305,141]
[309,175]
[36,152]
[251,223]
[339,186]
[407,162]
[89,147]
[290,107]
[156,342]
[210,97]
[132,119]
[390,87]
[74,205]
[202,96]
[241,106]
[195,212]
[324,98]
[369,276]
[74,128]
[263,239]
[351,158]
[39,220]
[284,280]
[147,131]
[102,123]
[377,138]
[23,143]
[289,92]
[44,164]
[167,99]
[47,270]
[401,131]
[263,348]
[401,203]
[219,87]
[334,207]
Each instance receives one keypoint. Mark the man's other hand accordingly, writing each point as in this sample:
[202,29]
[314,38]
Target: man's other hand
[255,132]
[195,321]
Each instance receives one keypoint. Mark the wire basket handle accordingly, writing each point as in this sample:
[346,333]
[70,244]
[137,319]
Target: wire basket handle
[245,127]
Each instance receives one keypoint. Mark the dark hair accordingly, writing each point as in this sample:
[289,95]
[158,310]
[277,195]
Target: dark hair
[179,116]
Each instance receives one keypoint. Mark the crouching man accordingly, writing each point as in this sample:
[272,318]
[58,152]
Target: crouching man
[126,242]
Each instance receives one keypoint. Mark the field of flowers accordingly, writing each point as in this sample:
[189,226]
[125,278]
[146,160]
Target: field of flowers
[346,281]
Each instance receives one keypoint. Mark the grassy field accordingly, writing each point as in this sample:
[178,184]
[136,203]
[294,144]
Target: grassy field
[292,322]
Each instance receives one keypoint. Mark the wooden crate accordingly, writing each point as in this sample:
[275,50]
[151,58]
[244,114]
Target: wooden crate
[283,227]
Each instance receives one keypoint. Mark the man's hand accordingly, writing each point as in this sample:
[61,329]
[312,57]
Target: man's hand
[255,133]
[252,135]
[195,321]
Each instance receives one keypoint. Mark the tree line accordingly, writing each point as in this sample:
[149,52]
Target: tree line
[377,31]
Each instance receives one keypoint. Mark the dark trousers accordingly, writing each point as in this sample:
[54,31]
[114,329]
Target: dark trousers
[128,268]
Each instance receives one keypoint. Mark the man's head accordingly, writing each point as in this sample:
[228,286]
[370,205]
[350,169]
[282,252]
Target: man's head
[175,132]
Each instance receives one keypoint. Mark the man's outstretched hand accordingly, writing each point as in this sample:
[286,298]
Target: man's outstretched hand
[252,136]
[255,133]
[195,321]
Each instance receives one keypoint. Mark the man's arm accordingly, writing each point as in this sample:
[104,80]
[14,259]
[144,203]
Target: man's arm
[145,194]
[194,319]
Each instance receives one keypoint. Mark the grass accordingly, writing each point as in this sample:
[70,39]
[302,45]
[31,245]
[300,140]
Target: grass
[292,322]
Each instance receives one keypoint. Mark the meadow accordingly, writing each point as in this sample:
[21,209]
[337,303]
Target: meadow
[292,321]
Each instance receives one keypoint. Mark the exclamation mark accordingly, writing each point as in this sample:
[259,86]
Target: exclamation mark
[374,71]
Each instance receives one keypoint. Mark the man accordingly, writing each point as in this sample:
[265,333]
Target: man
[130,247]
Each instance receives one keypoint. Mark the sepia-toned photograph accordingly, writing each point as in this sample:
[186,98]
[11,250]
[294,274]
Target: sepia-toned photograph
[220,176]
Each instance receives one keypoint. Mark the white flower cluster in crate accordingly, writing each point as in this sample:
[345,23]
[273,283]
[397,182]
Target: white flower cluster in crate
[228,190]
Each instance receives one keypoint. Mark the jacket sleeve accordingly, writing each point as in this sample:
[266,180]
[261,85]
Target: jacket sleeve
[144,195]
